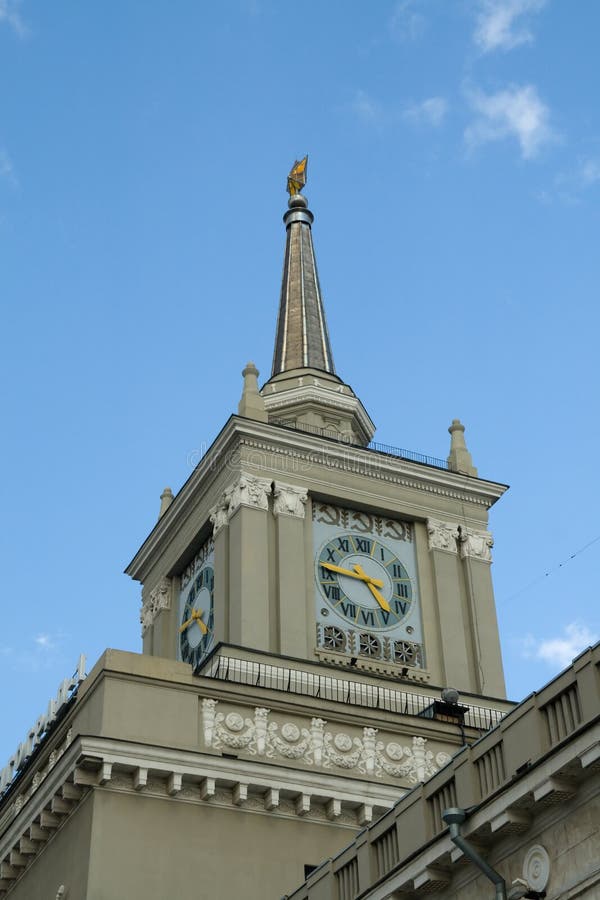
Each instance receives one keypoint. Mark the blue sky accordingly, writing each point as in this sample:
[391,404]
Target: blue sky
[455,178]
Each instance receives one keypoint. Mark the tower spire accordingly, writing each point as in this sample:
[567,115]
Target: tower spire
[302,340]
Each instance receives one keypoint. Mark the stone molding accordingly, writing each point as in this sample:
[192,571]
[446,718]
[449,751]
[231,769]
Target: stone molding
[475,544]
[158,599]
[315,746]
[442,535]
[303,451]
[289,500]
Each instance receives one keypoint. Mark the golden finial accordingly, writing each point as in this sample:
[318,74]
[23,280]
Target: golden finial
[297,177]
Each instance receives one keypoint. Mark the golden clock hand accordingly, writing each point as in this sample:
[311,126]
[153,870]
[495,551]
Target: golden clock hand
[362,576]
[371,585]
[380,599]
[185,625]
[196,615]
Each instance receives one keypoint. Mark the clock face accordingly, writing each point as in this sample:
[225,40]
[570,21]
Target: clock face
[196,606]
[363,581]
[366,586]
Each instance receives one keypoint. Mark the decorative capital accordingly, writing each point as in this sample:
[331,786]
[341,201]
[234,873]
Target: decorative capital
[475,544]
[249,491]
[158,599]
[219,514]
[289,500]
[442,535]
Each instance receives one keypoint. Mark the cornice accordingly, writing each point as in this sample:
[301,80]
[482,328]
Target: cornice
[302,446]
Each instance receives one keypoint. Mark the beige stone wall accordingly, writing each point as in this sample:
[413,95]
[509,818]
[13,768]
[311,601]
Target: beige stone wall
[63,860]
[146,849]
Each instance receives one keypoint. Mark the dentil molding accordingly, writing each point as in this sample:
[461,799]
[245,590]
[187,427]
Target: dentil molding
[314,745]
[289,500]
[158,599]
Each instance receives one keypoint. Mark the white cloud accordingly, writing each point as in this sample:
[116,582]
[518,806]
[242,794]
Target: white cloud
[7,170]
[9,13]
[44,641]
[515,112]
[431,111]
[500,26]
[589,172]
[366,108]
[559,651]
[407,23]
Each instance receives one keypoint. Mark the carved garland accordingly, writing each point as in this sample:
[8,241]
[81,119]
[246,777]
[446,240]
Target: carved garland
[315,746]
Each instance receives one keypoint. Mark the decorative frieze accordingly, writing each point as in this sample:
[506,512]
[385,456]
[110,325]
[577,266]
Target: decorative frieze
[442,535]
[158,599]
[475,544]
[314,745]
[289,500]
[357,520]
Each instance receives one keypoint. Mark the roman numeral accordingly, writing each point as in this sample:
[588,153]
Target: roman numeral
[400,606]
[368,617]
[348,609]
[385,616]
[326,575]
[330,555]
[402,589]
[363,545]
[344,545]
[397,571]
[332,591]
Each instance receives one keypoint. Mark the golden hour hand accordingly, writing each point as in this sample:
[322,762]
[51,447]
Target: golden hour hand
[373,584]
[195,617]
[362,576]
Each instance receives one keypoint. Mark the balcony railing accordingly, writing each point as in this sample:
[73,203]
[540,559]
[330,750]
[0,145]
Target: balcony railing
[385,449]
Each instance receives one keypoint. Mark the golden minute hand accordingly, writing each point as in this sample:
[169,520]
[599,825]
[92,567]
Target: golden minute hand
[371,585]
[196,614]
[362,576]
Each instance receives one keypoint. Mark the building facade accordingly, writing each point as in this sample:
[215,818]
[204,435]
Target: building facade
[319,637]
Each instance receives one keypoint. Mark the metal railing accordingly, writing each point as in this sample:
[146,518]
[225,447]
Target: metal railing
[340,690]
[386,449]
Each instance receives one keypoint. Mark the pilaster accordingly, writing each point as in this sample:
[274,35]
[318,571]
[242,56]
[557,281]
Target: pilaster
[249,564]
[456,657]
[289,504]
[476,557]
[219,516]
[156,619]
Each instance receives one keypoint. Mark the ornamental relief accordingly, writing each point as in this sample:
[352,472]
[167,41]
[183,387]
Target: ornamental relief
[355,520]
[158,599]
[314,745]
[475,544]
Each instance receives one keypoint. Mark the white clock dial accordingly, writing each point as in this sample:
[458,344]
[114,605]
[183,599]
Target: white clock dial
[366,588]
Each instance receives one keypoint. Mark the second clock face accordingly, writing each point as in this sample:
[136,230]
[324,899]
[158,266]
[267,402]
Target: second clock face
[196,611]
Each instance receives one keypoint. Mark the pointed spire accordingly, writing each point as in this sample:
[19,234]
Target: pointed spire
[459,458]
[251,405]
[166,498]
[302,341]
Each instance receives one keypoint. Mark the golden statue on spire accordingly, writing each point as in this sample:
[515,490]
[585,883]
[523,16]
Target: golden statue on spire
[297,177]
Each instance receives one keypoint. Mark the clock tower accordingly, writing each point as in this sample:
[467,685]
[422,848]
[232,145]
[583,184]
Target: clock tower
[319,641]
[297,535]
